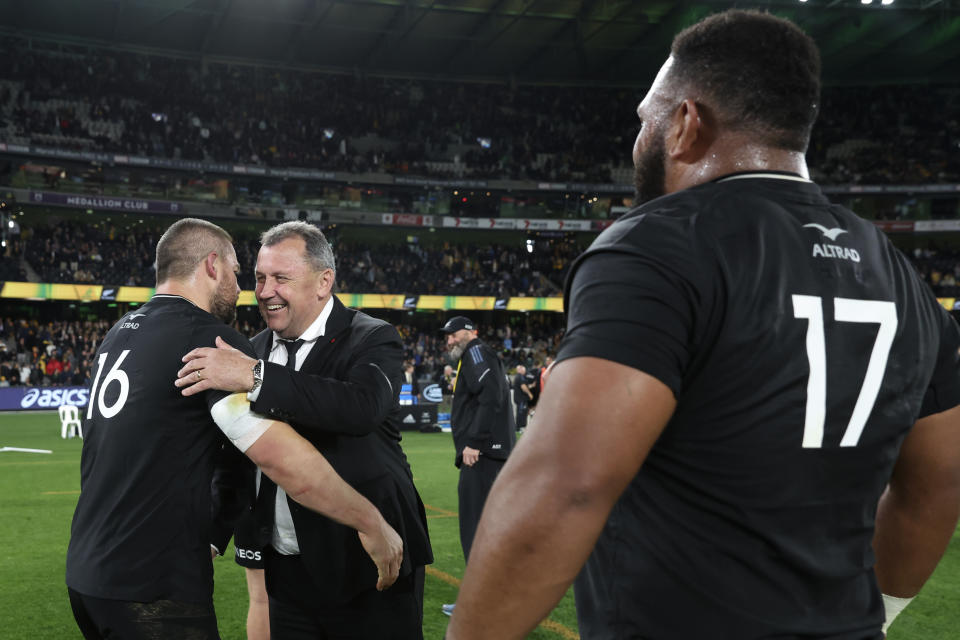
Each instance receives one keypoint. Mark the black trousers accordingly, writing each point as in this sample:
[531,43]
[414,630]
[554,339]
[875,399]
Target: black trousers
[472,491]
[522,408]
[298,613]
[102,619]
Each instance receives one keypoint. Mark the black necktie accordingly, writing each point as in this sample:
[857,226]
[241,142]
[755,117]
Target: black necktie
[292,347]
[267,498]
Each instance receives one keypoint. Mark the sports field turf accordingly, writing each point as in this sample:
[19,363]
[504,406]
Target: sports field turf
[38,493]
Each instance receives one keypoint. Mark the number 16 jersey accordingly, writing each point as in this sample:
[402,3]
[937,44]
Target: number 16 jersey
[801,347]
[142,528]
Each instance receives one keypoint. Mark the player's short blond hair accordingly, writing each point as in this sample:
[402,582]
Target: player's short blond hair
[185,245]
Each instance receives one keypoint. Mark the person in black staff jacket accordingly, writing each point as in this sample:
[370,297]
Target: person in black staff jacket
[752,429]
[481,421]
[522,395]
[139,560]
[334,374]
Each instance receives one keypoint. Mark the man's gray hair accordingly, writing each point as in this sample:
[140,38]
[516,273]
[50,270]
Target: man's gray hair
[318,254]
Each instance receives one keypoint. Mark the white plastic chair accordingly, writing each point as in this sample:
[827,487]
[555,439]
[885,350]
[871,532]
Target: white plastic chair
[69,421]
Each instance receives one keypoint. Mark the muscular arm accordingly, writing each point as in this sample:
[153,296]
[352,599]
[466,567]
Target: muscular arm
[302,471]
[299,469]
[355,405]
[918,512]
[550,502]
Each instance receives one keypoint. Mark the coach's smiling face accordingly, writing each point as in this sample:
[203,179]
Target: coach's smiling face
[290,292]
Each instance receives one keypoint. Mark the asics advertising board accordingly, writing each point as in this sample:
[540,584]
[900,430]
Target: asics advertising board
[33,398]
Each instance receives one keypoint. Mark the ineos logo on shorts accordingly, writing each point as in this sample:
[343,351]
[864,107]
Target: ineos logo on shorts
[249,555]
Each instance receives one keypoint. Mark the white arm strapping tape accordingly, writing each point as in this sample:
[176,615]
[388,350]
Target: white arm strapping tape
[242,426]
[893,606]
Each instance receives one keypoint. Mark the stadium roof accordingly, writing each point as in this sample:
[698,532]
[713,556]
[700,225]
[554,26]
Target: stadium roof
[618,42]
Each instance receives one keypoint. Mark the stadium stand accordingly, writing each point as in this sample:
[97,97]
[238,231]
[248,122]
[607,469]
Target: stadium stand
[120,102]
[79,98]
[58,353]
[68,251]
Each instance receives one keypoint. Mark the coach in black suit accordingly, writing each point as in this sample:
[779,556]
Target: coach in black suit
[334,374]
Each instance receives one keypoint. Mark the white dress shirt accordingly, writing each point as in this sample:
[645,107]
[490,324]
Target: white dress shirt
[284,534]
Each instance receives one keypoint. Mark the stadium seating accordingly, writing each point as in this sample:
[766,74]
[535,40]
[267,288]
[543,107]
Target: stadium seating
[229,113]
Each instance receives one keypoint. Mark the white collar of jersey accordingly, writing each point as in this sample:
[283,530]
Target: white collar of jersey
[173,295]
[774,176]
[315,330]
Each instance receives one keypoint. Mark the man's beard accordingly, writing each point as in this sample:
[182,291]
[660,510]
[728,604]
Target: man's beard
[455,352]
[650,177]
[223,306]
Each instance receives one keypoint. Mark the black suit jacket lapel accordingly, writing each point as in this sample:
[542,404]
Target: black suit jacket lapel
[263,344]
[338,322]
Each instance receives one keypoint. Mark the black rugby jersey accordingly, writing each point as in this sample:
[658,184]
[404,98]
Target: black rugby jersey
[142,527]
[801,347]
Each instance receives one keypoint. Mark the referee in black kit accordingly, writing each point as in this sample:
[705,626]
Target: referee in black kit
[481,422]
[752,427]
[139,561]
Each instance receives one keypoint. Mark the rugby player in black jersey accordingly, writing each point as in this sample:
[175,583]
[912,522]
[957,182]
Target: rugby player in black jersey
[752,427]
[139,560]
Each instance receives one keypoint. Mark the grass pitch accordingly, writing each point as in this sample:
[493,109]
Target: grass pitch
[38,493]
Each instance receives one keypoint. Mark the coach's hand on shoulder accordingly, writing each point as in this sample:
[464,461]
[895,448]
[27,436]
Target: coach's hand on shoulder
[385,548]
[223,368]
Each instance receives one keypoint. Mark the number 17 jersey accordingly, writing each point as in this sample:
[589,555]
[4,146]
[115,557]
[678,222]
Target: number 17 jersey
[801,347]
[142,528]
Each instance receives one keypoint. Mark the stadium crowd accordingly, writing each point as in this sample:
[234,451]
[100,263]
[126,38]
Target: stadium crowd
[49,354]
[940,268]
[458,269]
[75,252]
[60,353]
[122,102]
[520,341]
[72,252]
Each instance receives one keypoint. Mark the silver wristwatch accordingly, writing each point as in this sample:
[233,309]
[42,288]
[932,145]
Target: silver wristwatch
[257,376]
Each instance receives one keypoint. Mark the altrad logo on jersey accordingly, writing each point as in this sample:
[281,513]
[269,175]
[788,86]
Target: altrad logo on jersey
[834,251]
[824,250]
